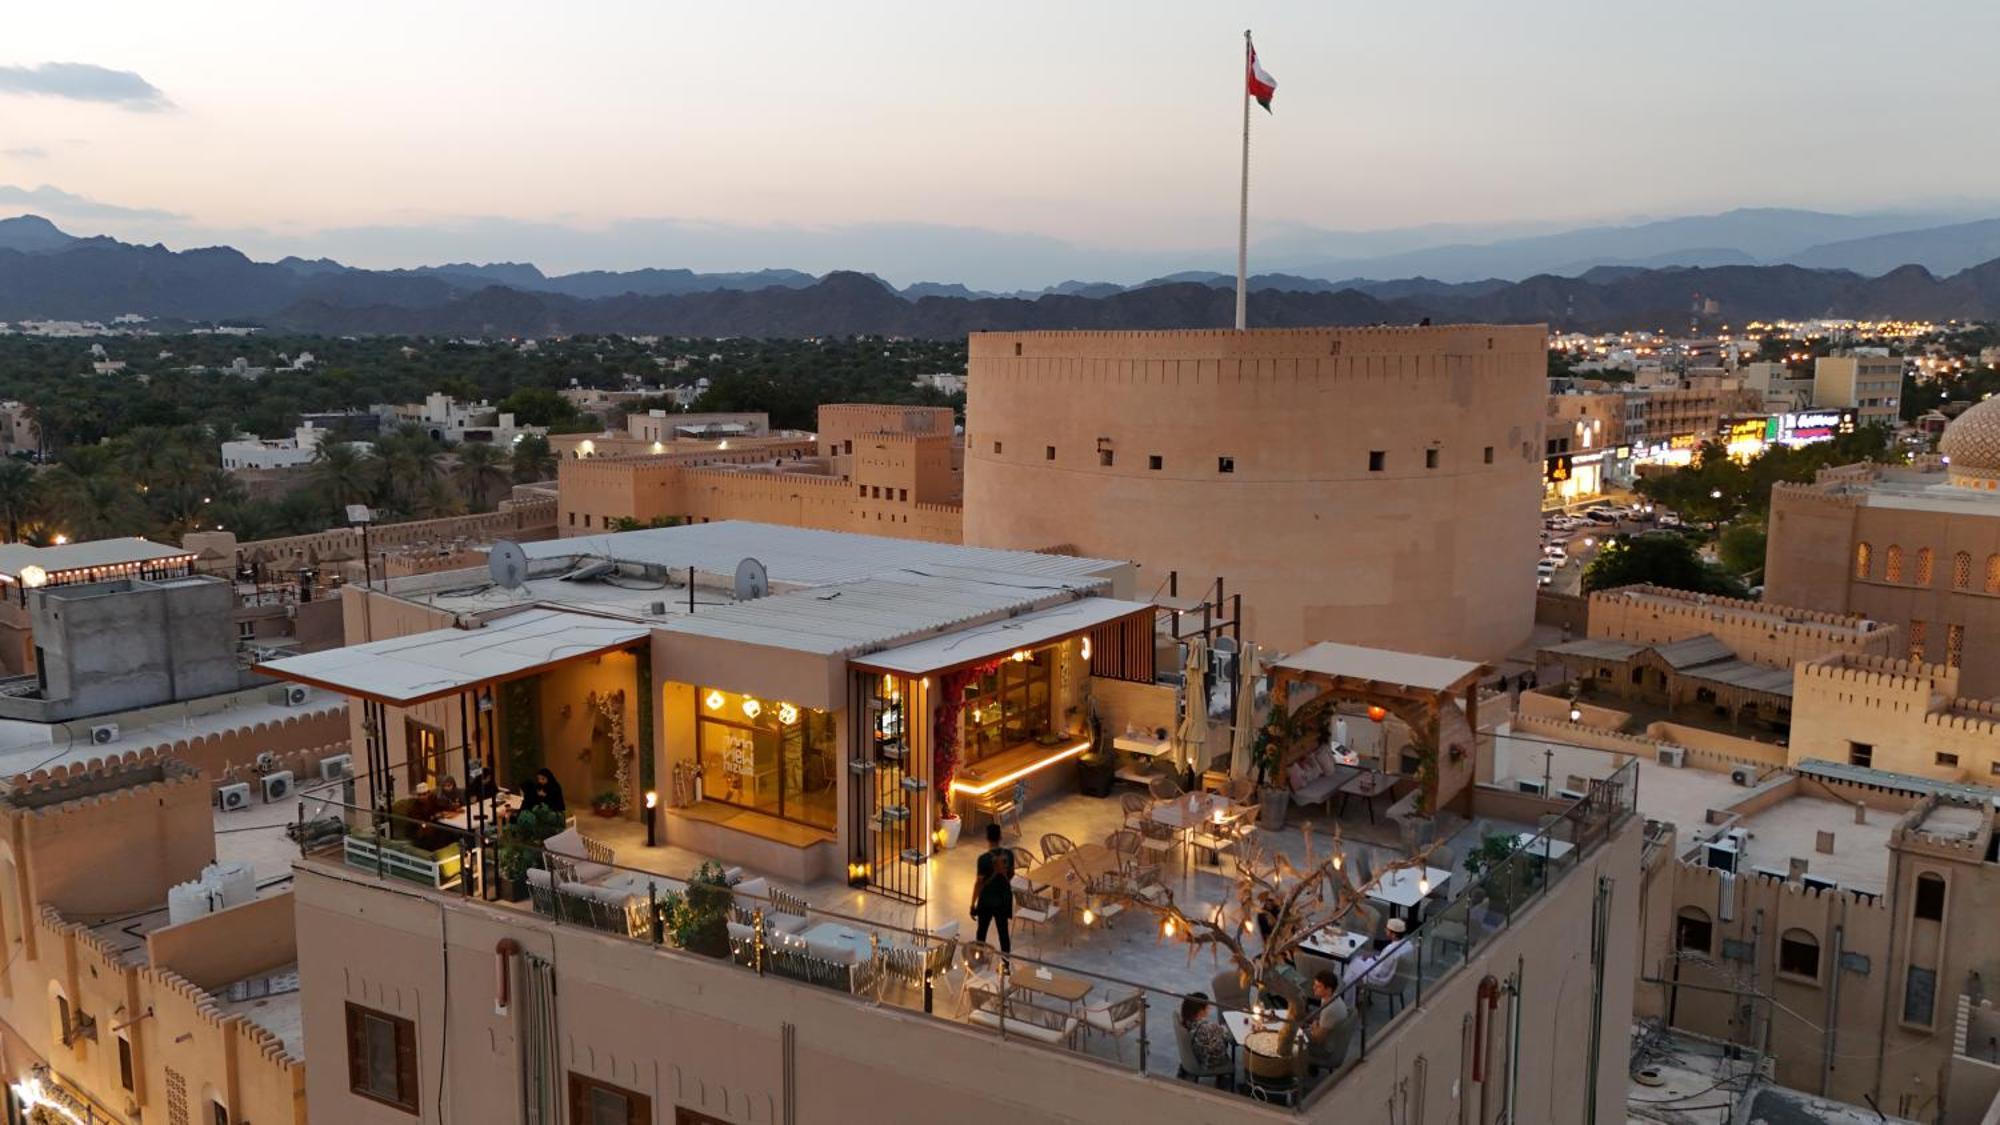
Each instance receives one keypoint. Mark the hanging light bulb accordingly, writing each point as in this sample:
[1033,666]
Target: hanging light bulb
[1249,925]
[1089,916]
[1167,928]
[714,701]
[787,714]
[1424,883]
[752,708]
[1339,858]
[1377,712]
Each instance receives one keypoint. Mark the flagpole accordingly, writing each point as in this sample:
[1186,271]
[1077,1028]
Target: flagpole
[1243,202]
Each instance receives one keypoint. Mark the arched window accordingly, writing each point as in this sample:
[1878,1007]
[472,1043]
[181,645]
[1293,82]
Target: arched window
[1961,571]
[1923,566]
[1798,954]
[1993,574]
[1864,560]
[1892,564]
[1918,629]
[1930,897]
[1693,933]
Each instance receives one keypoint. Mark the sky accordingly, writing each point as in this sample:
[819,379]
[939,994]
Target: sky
[1014,143]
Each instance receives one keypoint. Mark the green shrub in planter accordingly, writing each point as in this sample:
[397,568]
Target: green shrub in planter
[700,920]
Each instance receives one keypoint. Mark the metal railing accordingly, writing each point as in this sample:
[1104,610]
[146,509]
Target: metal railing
[1022,999]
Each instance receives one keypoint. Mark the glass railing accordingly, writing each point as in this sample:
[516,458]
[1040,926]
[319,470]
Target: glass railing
[1027,999]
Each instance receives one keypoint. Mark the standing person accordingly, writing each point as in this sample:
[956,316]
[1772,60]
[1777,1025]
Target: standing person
[544,791]
[993,889]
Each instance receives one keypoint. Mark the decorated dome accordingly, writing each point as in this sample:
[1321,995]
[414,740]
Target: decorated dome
[1971,443]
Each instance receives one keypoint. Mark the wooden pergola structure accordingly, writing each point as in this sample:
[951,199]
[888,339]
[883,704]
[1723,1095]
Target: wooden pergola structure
[1436,697]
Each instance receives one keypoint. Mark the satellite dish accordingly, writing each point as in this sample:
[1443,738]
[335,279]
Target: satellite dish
[508,564]
[751,580]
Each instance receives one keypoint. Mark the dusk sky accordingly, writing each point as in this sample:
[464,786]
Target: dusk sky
[818,135]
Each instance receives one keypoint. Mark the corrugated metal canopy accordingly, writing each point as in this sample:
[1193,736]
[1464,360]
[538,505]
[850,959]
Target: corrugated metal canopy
[442,662]
[805,556]
[81,556]
[1383,666]
[998,638]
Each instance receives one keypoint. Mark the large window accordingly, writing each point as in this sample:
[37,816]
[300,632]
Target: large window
[1693,932]
[1930,897]
[1798,954]
[767,755]
[1010,705]
[600,1103]
[382,1057]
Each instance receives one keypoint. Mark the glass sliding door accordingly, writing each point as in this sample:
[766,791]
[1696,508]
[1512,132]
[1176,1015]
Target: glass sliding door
[767,755]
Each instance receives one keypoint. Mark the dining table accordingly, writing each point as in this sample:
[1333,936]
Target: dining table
[1068,989]
[1367,785]
[1334,945]
[1207,820]
[1403,890]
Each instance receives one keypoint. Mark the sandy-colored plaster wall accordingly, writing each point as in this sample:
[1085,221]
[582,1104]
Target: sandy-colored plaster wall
[228,945]
[1431,553]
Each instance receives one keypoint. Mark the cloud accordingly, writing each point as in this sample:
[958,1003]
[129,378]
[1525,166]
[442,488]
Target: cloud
[60,202]
[84,82]
[25,152]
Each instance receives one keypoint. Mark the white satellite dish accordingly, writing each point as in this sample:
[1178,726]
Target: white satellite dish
[508,564]
[752,581]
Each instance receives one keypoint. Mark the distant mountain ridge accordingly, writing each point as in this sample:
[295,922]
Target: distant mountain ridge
[48,274]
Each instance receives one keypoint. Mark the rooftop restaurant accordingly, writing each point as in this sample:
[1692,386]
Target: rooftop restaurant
[780,749]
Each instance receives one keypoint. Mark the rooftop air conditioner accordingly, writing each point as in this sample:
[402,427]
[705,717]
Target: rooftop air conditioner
[1817,883]
[233,798]
[1674,756]
[336,767]
[1743,775]
[296,694]
[1529,785]
[104,734]
[277,786]
[1721,855]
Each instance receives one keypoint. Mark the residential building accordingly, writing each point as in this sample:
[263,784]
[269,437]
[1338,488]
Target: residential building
[447,420]
[882,470]
[662,431]
[1665,425]
[24,568]
[19,434]
[949,382]
[1870,380]
[799,736]
[152,967]
[1918,548]
[251,452]
[1388,476]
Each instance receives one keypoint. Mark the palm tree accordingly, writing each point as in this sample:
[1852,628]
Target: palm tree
[345,473]
[412,461]
[533,460]
[481,469]
[20,492]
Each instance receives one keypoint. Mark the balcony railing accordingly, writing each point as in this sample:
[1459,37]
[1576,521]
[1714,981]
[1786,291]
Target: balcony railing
[1032,1002]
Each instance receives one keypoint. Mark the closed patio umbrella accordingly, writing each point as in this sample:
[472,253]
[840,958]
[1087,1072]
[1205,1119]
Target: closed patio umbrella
[1193,730]
[1246,714]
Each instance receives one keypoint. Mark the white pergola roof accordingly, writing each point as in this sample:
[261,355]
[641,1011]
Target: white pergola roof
[83,556]
[1383,666]
[442,662]
[997,638]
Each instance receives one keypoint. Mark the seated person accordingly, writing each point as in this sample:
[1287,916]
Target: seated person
[449,794]
[1331,1010]
[1213,1047]
[1378,969]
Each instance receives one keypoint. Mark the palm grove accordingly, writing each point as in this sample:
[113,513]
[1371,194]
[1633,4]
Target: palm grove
[137,452]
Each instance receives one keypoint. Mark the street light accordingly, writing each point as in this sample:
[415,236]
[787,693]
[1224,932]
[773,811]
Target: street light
[359,516]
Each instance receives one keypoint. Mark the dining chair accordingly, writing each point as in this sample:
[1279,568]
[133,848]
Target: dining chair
[1055,844]
[1164,788]
[1117,1019]
[1024,861]
[1035,911]
[1136,806]
[1124,843]
[1157,840]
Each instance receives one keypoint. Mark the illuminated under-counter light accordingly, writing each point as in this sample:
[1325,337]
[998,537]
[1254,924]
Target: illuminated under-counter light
[714,701]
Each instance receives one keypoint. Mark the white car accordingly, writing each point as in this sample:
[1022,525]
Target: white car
[1546,567]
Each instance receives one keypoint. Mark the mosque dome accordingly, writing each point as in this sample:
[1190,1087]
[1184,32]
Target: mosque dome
[1971,444]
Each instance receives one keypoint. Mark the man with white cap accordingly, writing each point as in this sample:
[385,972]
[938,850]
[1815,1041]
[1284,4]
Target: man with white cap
[1379,968]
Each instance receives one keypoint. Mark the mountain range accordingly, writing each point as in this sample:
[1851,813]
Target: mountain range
[46,273]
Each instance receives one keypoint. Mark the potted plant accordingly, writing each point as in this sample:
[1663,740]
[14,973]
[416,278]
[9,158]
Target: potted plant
[608,803]
[945,736]
[1499,871]
[521,847]
[1267,753]
[700,920]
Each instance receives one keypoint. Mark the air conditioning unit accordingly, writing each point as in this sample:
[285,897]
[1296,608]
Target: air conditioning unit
[1816,883]
[336,767]
[1721,856]
[267,761]
[1743,775]
[103,734]
[277,786]
[1529,785]
[296,694]
[1571,794]
[233,798]
[1673,756]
